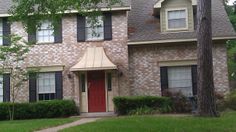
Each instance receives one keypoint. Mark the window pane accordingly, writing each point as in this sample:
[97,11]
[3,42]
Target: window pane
[1,88]
[94,31]
[109,82]
[180,80]
[82,82]
[1,32]
[177,19]
[45,33]
[46,83]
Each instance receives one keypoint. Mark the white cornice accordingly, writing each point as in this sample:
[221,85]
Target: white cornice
[127,8]
[176,40]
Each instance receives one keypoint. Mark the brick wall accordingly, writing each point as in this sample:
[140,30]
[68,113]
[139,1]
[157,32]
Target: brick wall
[70,52]
[145,70]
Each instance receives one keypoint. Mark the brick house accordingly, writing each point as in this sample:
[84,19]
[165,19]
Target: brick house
[139,48]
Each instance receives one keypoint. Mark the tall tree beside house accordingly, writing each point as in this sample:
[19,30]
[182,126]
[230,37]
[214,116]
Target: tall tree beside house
[15,74]
[206,93]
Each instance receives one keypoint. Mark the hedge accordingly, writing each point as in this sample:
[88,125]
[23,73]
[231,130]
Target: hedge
[42,109]
[230,101]
[123,105]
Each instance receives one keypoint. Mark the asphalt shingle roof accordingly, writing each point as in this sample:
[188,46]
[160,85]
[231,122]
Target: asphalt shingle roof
[146,27]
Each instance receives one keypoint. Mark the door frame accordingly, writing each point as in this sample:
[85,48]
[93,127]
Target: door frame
[85,101]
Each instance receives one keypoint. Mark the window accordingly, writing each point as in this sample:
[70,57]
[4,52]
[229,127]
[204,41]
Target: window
[46,86]
[94,29]
[180,80]
[1,32]
[45,33]
[82,82]
[177,19]
[1,88]
[109,82]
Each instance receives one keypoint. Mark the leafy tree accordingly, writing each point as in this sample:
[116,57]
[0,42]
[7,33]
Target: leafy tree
[32,12]
[231,44]
[12,60]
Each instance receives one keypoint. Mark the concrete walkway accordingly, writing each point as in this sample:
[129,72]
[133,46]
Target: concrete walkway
[76,123]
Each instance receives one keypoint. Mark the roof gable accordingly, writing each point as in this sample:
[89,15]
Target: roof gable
[159,2]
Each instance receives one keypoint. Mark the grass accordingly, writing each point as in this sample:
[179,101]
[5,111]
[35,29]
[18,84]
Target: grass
[226,123]
[32,125]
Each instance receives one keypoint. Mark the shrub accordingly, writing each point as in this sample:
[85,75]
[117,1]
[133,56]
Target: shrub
[220,101]
[124,105]
[143,111]
[231,100]
[42,109]
[181,103]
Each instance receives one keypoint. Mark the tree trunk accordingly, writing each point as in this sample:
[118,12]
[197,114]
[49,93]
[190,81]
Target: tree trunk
[206,94]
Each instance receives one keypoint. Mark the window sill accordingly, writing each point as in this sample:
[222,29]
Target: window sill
[47,43]
[176,29]
[97,40]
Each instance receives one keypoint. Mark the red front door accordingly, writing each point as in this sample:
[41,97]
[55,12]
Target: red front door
[96,91]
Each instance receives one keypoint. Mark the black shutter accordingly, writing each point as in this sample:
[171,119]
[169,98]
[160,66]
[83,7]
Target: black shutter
[32,33]
[108,26]
[6,31]
[59,85]
[194,79]
[164,79]
[32,87]
[6,88]
[58,32]
[80,28]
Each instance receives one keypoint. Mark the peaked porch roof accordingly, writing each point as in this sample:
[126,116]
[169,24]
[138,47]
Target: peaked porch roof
[94,59]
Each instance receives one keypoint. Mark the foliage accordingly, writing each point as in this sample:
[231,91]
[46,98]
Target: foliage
[165,123]
[40,10]
[143,111]
[181,104]
[220,101]
[43,109]
[12,60]
[32,125]
[231,100]
[124,105]
[231,44]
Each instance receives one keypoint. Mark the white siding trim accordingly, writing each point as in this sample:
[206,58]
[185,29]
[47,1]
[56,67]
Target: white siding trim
[167,20]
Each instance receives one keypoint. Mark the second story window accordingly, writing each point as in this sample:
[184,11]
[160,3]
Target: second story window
[94,29]
[45,33]
[1,32]
[176,19]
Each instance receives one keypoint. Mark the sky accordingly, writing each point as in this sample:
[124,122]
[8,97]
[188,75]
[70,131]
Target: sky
[231,2]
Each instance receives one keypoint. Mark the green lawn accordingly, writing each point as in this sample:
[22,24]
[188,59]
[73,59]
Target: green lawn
[31,125]
[226,123]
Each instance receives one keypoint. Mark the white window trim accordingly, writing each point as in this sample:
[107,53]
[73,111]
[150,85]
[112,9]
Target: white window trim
[167,20]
